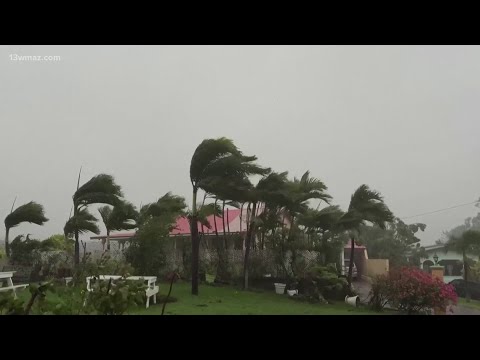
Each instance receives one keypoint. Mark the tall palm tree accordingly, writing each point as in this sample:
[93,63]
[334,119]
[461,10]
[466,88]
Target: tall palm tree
[366,205]
[272,191]
[121,217]
[100,189]
[213,161]
[468,242]
[31,212]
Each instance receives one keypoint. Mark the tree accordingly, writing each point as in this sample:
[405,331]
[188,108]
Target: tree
[31,212]
[168,205]
[100,189]
[322,225]
[213,162]
[121,217]
[468,242]
[366,205]
[397,242]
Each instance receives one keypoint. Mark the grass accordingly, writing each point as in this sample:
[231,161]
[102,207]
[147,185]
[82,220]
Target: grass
[216,300]
[226,300]
[473,304]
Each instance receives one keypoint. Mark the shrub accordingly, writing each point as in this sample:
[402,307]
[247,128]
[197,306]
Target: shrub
[115,297]
[24,252]
[379,293]
[322,282]
[412,291]
[146,252]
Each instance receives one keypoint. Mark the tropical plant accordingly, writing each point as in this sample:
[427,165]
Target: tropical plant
[31,212]
[100,189]
[366,205]
[467,243]
[215,161]
[121,217]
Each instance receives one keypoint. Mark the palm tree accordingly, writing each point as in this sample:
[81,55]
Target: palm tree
[468,242]
[322,223]
[100,189]
[214,161]
[81,223]
[301,192]
[168,205]
[121,217]
[366,205]
[31,212]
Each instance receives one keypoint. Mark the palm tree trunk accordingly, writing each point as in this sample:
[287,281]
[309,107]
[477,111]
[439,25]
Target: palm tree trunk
[77,249]
[195,244]
[241,214]
[215,224]
[247,249]
[465,274]
[223,222]
[350,266]
[7,244]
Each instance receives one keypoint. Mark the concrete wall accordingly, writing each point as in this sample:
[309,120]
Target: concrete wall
[376,267]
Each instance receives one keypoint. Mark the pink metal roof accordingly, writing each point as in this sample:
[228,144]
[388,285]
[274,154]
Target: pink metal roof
[182,227]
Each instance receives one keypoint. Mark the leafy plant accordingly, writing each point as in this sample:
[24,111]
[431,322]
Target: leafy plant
[115,297]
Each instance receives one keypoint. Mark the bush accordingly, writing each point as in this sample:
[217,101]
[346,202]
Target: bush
[146,252]
[412,291]
[24,252]
[322,282]
[379,293]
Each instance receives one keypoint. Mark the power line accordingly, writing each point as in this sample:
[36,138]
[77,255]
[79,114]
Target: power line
[433,212]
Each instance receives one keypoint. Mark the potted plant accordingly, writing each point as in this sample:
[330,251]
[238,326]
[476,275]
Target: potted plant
[280,288]
[292,289]
[210,273]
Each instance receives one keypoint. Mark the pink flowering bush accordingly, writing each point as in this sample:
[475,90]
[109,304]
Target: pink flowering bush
[413,291]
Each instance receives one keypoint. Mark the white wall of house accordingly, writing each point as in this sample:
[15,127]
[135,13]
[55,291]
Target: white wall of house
[443,255]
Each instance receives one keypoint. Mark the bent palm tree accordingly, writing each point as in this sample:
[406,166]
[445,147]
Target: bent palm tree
[366,205]
[468,242]
[121,217]
[168,205]
[100,189]
[31,212]
[213,161]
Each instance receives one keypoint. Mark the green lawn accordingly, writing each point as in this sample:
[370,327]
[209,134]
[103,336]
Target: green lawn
[215,300]
[474,304]
[225,300]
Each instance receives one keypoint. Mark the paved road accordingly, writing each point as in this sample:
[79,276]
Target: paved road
[362,288]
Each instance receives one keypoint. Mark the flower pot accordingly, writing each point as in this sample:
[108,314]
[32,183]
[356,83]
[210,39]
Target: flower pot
[280,288]
[292,292]
[209,278]
[353,301]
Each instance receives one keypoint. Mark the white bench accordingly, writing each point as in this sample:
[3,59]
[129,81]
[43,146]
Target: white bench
[8,276]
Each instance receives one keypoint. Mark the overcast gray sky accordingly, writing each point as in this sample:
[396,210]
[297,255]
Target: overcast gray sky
[402,119]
